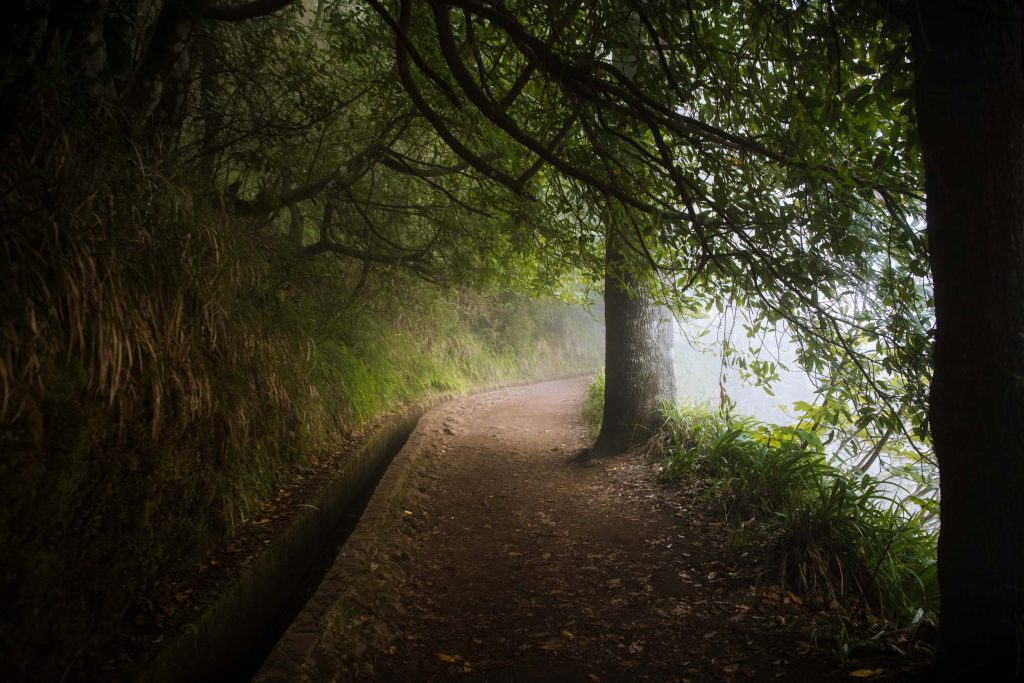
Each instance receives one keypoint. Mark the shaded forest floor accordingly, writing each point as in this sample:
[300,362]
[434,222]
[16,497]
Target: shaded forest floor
[525,566]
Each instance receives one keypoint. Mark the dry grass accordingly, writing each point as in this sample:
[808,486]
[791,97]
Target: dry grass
[157,380]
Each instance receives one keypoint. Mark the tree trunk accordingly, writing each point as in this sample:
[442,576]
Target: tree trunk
[156,92]
[121,33]
[969,65]
[638,360]
[210,112]
[638,332]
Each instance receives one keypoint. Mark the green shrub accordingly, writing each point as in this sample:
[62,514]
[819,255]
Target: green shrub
[593,403]
[837,533]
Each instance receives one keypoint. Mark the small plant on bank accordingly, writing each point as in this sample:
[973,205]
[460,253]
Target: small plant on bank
[838,533]
[593,403]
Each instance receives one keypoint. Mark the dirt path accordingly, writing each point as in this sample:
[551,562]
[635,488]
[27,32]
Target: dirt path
[531,568]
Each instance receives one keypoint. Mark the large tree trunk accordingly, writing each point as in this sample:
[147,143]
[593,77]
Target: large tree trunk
[638,360]
[969,64]
[638,332]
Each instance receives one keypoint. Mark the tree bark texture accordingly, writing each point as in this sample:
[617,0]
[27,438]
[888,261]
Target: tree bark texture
[156,93]
[638,332]
[969,90]
[638,356]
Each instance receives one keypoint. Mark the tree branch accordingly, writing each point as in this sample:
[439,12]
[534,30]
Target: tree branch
[328,247]
[249,10]
[621,93]
[399,163]
[404,49]
[501,119]
[347,173]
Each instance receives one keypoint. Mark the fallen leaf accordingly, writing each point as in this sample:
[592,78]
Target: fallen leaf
[449,659]
[567,635]
[866,673]
[732,668]
[551,644]
[795,598]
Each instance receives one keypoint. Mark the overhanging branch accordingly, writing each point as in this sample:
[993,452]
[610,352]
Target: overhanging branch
[249,10]
[347,173]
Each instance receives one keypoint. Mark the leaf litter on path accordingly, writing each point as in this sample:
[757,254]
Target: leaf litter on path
[570,573]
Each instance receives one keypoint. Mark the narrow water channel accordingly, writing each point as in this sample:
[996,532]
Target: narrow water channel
[243,670]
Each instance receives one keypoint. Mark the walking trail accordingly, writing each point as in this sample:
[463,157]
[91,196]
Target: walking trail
[513,563]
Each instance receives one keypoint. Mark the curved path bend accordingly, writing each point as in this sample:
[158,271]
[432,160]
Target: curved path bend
[509,562]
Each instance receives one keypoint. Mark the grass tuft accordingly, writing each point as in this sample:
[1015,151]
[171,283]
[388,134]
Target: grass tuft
[837,533]
[593,403]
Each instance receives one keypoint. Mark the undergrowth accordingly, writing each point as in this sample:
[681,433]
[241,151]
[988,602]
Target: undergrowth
[838,534]
[593,403]
[165,365]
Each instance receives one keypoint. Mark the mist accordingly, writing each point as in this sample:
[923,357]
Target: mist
[700,375]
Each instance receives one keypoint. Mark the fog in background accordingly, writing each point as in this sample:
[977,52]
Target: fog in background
[697,375]
[698,370]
